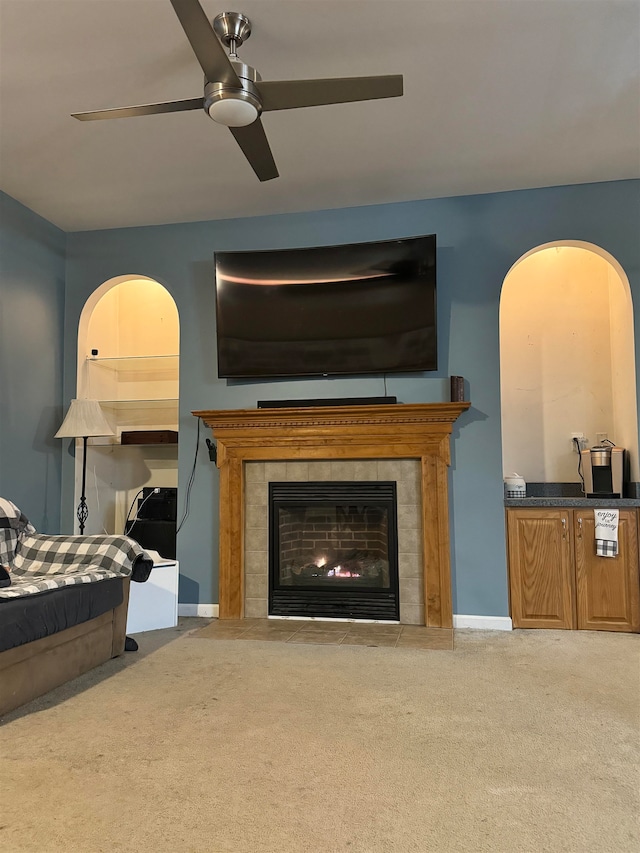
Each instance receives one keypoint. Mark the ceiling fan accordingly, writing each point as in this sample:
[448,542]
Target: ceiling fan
[234,93]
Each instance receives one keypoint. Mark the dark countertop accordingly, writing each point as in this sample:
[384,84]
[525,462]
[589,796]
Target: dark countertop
[558,502]
[571,495]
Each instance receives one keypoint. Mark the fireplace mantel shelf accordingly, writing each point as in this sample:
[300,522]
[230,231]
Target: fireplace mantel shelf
[386,414]
[411,430]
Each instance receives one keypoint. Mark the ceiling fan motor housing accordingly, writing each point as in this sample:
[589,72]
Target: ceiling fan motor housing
[232,27]
[232,106]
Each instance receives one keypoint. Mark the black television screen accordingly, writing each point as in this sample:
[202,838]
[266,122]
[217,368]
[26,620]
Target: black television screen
[359,308]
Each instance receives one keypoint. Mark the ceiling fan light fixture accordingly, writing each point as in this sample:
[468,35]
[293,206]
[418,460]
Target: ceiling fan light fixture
[233,112]
[232,106]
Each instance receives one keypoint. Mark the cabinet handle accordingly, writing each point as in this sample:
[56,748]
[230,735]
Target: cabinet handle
[579,528]
[564,528]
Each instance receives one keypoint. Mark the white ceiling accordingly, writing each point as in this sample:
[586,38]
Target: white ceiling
[499,95]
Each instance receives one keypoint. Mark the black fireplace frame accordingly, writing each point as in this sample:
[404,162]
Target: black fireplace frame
[318,601]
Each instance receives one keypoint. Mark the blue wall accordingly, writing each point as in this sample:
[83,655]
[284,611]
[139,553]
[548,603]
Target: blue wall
[32,274]
[479,238]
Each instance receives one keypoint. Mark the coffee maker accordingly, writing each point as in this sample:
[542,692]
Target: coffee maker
[605,471]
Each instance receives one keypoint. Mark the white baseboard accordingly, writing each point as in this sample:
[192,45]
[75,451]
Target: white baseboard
[207,610]
[483,623]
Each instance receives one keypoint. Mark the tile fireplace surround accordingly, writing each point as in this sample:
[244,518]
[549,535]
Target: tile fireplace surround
[408,443]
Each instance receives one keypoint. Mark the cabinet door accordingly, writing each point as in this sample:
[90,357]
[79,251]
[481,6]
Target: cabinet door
[541,568]
[608,588]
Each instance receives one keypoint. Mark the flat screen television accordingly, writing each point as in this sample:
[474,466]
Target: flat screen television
[360,308]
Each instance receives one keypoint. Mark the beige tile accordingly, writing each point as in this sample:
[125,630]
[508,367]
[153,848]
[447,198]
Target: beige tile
[254,472]
[411,614]
[323,627]
[409,541]
[220,632]
[318,637]
[374,641]
[256,539]
[365,469]
[409,470]
[328,633]
[375,628]
[297,472]
[343,469]
[410,566]
[388,469]
[433,638]
[257,494]
[275,471]
[275,626]
[256,608]
[256,563]
[255,517]
[319,469]
[410,591]
[256,586]
[266,634]
[409,492]
[409,516]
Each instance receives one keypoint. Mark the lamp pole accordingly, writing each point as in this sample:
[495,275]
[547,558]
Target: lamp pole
[83,509]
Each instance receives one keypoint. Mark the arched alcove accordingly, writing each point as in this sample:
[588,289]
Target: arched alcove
[567,361]
[128,359]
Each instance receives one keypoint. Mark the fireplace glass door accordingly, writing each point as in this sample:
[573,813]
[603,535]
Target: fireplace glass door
[333,550]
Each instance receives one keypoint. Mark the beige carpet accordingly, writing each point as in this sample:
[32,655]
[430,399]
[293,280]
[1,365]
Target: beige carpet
[519,742]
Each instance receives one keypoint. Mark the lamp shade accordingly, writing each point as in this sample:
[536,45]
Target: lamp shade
[84,418]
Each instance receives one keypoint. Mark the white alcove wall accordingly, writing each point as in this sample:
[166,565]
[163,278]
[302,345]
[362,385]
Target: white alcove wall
[132,322]
[567,360]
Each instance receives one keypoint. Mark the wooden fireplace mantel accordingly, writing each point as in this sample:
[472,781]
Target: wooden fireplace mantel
[394,431]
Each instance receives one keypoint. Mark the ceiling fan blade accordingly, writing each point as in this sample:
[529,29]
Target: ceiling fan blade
[208,50]
[142,110]
[255,147]
[290,94]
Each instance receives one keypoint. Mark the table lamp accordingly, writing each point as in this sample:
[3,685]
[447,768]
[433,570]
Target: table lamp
[85,418]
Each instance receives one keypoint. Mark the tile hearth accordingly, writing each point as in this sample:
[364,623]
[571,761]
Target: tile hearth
[329,633]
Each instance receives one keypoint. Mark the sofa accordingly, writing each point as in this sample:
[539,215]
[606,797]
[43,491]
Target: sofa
[63,604]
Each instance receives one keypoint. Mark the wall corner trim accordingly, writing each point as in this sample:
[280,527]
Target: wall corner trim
[483,623]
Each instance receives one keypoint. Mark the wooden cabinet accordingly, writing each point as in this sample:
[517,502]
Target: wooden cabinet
[557,581]
[542,584]
[608,594]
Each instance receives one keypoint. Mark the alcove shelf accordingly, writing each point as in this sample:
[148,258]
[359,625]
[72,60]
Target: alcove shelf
[137,363]
[137,393]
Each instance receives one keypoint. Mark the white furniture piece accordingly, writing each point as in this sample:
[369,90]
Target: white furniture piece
[154,604]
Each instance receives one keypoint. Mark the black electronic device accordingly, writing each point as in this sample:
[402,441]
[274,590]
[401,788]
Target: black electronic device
[156,534]
[158,504]
[359,308]
[331,401]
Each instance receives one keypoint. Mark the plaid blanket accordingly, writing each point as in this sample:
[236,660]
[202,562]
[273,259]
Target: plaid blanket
[13,525]
[41,562]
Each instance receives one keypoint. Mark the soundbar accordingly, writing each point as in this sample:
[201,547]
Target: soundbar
[330,401]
